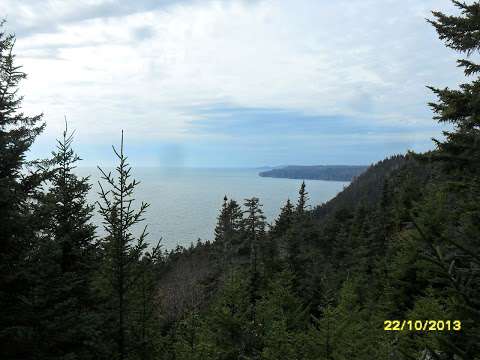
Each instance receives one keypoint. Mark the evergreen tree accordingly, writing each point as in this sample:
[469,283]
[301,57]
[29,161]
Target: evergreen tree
[190,340]
[17,185]
[297,237]
[445,221]
[70,215]
[223,222]
[302,199]
[227,230]
[67,308]
[254,231]
[225,331]
[123,251]
[341,330]
[146,315]
[449,227]
[274,244]
[460,108]
[284,320]
[284,220]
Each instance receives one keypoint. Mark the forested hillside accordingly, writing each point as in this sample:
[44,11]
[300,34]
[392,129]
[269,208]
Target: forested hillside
[319,172]
[401,243]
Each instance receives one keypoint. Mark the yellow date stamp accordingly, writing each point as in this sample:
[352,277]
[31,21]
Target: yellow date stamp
[422,325]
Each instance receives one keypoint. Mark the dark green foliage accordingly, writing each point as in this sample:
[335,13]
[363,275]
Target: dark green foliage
[284,220]
[296,241]
[228,231]
[254,227]
[339,326]
[126,287]
[54,281]
[225,331]
[450,232]
[459,32]
[400,242]
[284,320]
[66,311]
[17,186]
[69,219]
[367,188]
[302,199]
[461,107]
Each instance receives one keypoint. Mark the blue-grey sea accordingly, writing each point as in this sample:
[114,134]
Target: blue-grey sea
[184,202]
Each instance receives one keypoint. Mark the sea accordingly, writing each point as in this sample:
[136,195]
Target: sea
[185,202]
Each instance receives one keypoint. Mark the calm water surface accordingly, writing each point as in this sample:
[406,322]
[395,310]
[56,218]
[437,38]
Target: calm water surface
[184,202]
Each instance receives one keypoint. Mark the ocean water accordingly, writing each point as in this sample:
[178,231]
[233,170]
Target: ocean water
[184,202]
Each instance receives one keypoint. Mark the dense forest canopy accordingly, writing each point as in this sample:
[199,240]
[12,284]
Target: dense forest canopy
[401,242]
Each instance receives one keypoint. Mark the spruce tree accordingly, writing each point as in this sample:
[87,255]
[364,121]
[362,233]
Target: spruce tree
[225,330]
[447,222]
[146,316]
[284,220]
[123,269]
[17,185]
[222,222]
[227,230]
[68,256]
[295,238]
[70,215]
[284,320]
[460,107]
[342,332]
[302,199]
[255,232]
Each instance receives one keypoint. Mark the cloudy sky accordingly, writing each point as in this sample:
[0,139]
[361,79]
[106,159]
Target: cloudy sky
[233,83]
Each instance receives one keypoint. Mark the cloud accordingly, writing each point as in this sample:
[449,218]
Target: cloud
[150,67]
[33,16]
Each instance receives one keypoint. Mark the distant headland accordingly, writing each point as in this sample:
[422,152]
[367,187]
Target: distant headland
[316,172]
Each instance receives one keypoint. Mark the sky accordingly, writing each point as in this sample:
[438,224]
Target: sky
[232,83]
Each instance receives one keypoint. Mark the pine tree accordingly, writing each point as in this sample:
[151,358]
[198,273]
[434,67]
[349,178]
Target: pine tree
[460,108]
[17,185]
[123,253]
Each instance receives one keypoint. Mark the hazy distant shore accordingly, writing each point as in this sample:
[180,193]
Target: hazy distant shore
[317,172]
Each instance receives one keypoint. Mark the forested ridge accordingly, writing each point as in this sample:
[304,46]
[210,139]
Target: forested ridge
[400,242]
[317,172]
